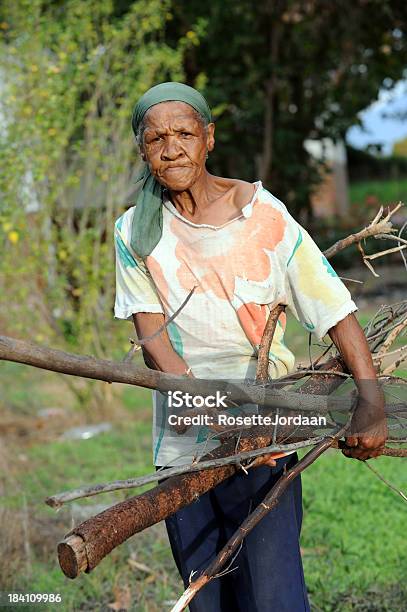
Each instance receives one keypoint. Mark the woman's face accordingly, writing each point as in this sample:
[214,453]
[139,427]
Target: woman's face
[175,144]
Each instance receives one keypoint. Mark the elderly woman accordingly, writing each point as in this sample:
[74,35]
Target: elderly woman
[238,248]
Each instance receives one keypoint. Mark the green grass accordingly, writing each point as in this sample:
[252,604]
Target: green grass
[353,528]
[386,192]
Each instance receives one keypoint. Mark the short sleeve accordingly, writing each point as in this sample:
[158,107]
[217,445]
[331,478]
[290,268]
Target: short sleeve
[135,291]
[315,294]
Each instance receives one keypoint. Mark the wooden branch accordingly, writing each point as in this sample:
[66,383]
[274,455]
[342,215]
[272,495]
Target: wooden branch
[262,375]
[391,338]
[59,499]
[376,227]
[111,371]
[167,322]
[56,501]
[396,363]
[99,535]
[136,345]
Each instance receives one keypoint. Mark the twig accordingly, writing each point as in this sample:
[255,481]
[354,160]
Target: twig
[56,501]
[395,364]
[393,488]
[378,356]
[391,338]
[366,261]
[113,371]
[352,280]
[132,351]
[167,322]
[262,375]
[375,227]
[386,252]
[401,252]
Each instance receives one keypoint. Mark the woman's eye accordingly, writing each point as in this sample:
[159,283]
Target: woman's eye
[153,139]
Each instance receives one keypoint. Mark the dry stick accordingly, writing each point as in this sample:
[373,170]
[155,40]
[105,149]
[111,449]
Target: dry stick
[386,252]
[375,227]
[388,484]
[397,352]
[139,343]
[396,310]
[366,261]
[393,366]
[391,338]
[112,371]
[269,502]
[58,500]
[262,375]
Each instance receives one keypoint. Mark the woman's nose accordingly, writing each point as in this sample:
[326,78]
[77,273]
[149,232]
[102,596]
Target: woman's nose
[171,150]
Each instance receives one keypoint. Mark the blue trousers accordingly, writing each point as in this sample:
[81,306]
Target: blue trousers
[267,574]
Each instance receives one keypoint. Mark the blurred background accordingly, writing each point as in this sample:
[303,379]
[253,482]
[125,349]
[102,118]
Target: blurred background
[311,98]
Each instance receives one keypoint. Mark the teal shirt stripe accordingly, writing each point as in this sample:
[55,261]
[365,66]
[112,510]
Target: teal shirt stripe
[125,257]
[297,244]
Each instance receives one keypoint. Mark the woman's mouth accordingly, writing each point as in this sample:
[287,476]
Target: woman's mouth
[175,168]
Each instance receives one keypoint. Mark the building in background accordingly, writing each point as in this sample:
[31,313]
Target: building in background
[331,197]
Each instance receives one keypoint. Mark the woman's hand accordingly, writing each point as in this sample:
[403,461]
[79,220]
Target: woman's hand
[368,429]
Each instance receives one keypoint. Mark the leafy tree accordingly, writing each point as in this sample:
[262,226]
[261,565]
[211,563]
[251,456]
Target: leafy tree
[281,71]
[70,73]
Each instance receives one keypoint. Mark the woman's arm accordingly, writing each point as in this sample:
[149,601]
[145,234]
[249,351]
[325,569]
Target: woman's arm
[368,430]
[158,353]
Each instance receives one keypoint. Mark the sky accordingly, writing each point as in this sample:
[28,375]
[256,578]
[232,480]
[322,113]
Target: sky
[378,129]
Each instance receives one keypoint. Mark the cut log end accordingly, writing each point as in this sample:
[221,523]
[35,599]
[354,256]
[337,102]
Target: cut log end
[72,556]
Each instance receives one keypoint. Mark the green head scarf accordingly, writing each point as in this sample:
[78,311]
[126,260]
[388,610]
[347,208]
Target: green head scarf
[147,224]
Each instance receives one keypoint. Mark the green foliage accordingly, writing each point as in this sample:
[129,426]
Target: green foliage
[281,72]
[365,166]
[71,73]
[374,193]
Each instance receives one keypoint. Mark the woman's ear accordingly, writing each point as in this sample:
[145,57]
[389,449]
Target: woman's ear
[210,137]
